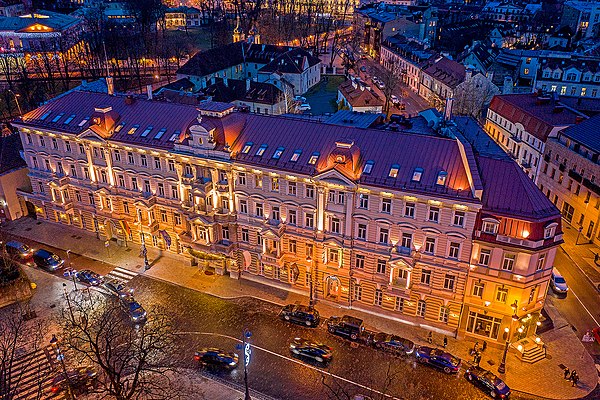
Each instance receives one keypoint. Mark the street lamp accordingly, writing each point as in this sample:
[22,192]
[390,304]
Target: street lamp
[61,357]
[144,250]
[247,349]
[507,333]
[17,101]
[311,295]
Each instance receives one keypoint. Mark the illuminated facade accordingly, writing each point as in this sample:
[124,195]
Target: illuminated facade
[386,221]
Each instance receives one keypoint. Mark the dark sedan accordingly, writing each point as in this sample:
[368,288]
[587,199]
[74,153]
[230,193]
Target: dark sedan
[438,358]
[47,260]
[89,277]
[117,289]
[20,251]
[216,358]
[300,314]
[393,343]
[134,310]
[307,348]
[487,381]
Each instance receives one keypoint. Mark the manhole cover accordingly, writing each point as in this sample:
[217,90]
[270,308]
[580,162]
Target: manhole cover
[208,273]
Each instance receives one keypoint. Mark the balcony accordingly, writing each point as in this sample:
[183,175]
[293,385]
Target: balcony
[222,187]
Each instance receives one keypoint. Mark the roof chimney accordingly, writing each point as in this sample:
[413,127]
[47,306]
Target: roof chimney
[149,91]
[110,86]
[579,119]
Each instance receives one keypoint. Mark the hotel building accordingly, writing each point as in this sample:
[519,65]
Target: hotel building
[415,226]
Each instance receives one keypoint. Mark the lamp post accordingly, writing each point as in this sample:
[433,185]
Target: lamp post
[311,295]
[247,349]
[17,101]
[144,250]
[60,357]
[507,332]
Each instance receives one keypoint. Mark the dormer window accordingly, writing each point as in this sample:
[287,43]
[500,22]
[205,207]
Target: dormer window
[59,116]
[261,150]
[550,230]
[133,129]
[160,133]
[119,127]
[340,159]
[296,155]
[69,119]
[46,115]
[441,178]
[246,148]
[146,131]
[278,153]
[490,226]
[417,175]
[368,167]
[394,171]
[174,136]
[313,158]
[83,121]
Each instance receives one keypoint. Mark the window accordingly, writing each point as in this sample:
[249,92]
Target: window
[275,184]
[177,218]
[134,184]
[363,201]
[54,144]
[296,155]
[117,155]
[421,308]
[292,246]
[443,317]
[292,188]
[508,262]
[368,167]
[449,281]
[434,214]
[501,294]
[147,186]
[258,182]
[357,292]
[490,227]
[147,131]
[441,178]
[459,218]
[417,174]
[399,304]
[83,121]
[144,160]
[41,187]
[245,235]
[548,232]
[275,215]
[59,116]
[81,149]
[292,217]
[278,153]
[426,277]
[78,195]
[378,297]
[174,192]
[46,115]
[161,190]
[362,232]
[313,158]
[394,171]
[386,206]
[309,220]
[132,130]
[163,216]
[259,210]
[73,171]
[430,245]
[406,240]
[335,225]
[381,266]
[384,235]
[409,210]
[130,158]
[121,180]
[119,127]
[103,176]
[160,133]
[42,143]
[157,163]
[454,250]
[333,256]
[484,257]
[261,150]
[171,165]
[310,191]
[48,166]
[91,198]
[225,232]
[359,261]
[35,162]
[29,139]
[478,289]
[541,262]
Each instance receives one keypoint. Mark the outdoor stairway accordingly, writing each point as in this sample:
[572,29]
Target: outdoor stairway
[531,351]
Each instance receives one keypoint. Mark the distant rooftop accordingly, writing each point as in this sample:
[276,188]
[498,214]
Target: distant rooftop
[586,133]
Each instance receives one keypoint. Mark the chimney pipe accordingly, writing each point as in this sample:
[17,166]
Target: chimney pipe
[149,91]
[110,85]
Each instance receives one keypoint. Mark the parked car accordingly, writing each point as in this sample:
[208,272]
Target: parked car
[89,277]
[134,310]
[79,379]
[438,358]
[393,343]
[304,107]
[300,99]
[300,314]
[346,325]
[487,381]
[117,289]
[558,282]
[307,348]
[395,100]
[363,69]
[19,251]
[216,358]
[47,260]
[380,85]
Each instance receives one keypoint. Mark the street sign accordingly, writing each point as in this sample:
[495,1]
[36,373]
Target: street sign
[247,353]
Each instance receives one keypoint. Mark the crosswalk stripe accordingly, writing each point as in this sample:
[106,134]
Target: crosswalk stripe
[32,374]
[125,271]
[121,276]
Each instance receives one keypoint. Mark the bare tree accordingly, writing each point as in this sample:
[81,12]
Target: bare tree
[133,361]
[473,95]
[391,76]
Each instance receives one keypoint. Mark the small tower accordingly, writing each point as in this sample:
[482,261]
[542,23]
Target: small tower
[238,34]
[253,35]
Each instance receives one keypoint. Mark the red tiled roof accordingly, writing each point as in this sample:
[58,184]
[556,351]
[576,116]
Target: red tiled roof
[537,117]
[358,97]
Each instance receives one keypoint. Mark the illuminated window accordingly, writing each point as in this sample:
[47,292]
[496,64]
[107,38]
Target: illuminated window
[69,119]
[133,129]
[246,148]
[59,116]
[84,121]
[417,175]
[394,171]
[278,153]
[368,167]
[313,158]
[296,155]
[261,150]
[160,133]
[46,115]
[441,178]
[146,131]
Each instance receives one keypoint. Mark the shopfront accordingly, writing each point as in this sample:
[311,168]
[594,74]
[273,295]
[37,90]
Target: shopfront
[483,325]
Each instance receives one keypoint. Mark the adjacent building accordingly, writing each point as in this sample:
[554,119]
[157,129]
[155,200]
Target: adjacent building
[406,57]
[582,17]
[356,96]
[13,176]
[420,227]
[569,176]
[569,74]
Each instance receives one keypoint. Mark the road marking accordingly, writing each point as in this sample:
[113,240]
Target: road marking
[583,305]
[295,361]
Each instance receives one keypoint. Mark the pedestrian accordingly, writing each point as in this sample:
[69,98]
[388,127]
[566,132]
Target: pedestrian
[445,342]
[574,378]
[567,373]
[477,357]
[430,337]
[475,348]
[484,346]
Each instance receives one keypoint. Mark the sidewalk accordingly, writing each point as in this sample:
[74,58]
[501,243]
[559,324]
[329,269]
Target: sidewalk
[582,254]
[544,378]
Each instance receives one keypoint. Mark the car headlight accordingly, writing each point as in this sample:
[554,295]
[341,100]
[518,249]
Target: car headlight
[292,346]
[232,363]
